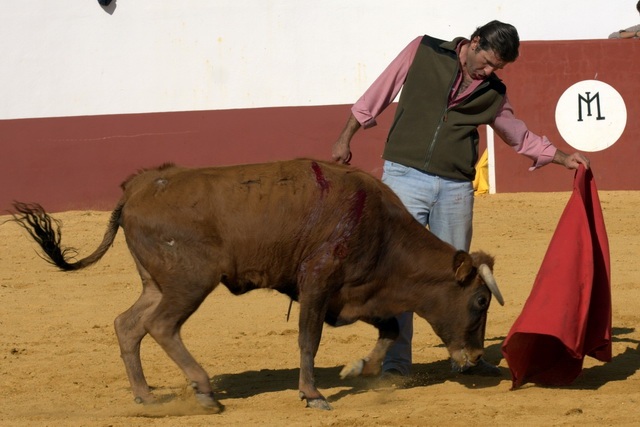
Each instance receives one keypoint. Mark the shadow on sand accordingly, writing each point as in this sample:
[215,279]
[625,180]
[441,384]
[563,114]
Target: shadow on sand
[250,383]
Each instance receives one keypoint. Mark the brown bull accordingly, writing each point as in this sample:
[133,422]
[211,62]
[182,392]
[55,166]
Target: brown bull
[329,236]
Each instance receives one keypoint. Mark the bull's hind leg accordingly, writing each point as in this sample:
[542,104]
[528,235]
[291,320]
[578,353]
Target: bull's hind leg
[371,365]
[164,326]
[130,331]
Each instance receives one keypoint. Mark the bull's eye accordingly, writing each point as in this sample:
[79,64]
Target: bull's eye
[482,302]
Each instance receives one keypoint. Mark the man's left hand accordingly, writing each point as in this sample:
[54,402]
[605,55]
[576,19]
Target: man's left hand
[571,161]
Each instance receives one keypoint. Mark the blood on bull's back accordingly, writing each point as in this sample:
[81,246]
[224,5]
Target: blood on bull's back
[257,222]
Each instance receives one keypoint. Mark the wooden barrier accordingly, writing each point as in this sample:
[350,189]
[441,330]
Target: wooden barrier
[79,162]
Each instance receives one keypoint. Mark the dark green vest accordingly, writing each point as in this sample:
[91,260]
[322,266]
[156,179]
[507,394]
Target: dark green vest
[426,134]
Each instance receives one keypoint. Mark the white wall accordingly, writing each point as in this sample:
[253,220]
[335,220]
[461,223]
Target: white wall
[74,57]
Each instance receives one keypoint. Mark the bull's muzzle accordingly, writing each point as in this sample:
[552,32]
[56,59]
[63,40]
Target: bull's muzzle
[461,360]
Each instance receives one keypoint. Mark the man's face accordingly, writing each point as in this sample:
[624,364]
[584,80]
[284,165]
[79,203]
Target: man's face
[481,63]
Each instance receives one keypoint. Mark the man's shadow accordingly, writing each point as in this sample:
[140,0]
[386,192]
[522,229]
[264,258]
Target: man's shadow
[621,367]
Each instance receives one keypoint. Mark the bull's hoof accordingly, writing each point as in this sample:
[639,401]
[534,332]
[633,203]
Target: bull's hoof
[319,403]
[353,369]
[149,400]
[207,401]
[316,402]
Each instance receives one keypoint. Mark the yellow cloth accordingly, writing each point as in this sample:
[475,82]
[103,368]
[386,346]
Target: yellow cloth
[481,182]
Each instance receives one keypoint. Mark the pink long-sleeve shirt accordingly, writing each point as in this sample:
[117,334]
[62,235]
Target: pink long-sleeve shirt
[512,130]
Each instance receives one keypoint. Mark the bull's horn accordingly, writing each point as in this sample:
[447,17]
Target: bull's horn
[487,276]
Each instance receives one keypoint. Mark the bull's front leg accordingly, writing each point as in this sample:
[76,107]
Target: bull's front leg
[312,312]
[371,365]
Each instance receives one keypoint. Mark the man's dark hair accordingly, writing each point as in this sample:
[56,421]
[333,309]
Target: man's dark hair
[499,37]
[638,7]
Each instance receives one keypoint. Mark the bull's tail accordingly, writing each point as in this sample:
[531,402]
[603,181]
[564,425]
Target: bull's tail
[45,230]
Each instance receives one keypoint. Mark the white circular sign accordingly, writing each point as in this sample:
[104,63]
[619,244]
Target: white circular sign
[591,115]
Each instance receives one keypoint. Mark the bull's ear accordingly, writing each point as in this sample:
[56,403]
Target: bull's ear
[480,258]
[462,265]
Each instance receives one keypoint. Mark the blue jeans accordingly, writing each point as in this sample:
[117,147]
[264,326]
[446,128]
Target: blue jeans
[446,207]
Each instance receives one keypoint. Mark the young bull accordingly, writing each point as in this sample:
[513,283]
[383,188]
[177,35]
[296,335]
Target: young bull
[329,236]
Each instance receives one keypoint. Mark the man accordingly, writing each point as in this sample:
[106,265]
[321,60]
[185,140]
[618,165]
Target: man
[448,90]
[628,33]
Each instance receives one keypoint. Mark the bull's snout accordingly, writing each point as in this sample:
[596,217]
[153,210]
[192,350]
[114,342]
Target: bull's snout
[472,363]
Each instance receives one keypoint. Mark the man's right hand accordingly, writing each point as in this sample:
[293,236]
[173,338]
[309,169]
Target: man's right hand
[341,152]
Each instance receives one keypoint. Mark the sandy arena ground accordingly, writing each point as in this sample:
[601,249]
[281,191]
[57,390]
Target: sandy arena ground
[60,363]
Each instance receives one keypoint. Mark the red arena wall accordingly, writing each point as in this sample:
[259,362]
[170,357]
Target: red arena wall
[79,162]
[535,83]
